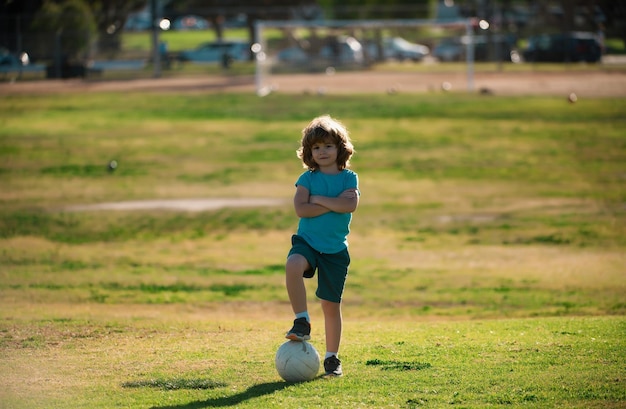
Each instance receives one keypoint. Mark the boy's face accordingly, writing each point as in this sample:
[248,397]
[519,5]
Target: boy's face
[324,153]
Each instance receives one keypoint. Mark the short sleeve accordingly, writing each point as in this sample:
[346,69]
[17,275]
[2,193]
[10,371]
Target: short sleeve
[352,181]
[304,180]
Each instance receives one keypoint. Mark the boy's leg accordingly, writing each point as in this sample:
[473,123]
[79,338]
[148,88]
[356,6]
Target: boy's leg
[294,281]
[294,268]
[333,325]
[332,274]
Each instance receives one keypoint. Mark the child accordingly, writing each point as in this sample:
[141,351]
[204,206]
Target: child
[326,195]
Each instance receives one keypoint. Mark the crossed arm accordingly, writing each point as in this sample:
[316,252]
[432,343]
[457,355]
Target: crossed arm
[308,205]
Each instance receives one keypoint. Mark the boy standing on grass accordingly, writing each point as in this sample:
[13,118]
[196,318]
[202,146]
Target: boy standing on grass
[326,195]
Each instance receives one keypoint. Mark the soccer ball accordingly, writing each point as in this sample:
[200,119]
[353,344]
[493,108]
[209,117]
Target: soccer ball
[297,361]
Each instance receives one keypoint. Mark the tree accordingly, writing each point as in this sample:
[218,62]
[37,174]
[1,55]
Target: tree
[71,25]
[219,11]
[110,17]
[615,12]
[376,9]
[15,18]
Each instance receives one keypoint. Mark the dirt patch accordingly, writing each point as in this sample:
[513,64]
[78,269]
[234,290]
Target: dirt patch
[583,83]
[589,84]
[189,205]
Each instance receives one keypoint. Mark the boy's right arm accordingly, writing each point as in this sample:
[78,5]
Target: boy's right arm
[346,202]
[302,205]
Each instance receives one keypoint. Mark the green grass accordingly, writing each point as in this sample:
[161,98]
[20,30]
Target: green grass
[177,40]
[187,363]
[487,252]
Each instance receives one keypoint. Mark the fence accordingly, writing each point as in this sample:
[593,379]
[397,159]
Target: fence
[129,52]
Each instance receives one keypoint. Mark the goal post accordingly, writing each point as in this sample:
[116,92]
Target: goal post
[326,47]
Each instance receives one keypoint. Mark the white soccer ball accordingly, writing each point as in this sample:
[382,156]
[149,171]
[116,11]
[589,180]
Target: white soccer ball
[297,361]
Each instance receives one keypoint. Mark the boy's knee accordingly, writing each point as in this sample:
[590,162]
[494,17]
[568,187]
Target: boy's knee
[293,272]
[296,264]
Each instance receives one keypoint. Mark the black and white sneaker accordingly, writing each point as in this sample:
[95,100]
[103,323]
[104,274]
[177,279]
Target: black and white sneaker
[332,366]
[301,330]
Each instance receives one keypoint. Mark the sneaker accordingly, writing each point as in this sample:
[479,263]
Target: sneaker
[301,330]
[332,366]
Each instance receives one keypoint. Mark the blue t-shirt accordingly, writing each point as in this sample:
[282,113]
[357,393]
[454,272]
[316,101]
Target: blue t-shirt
[327,233]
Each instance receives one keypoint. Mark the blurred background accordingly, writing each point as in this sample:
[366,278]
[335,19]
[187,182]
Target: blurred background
[153,38]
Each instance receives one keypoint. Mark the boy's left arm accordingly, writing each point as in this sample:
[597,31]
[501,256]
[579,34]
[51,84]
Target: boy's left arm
[346,202]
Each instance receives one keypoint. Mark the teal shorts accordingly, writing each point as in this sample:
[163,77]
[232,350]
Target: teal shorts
[332,269]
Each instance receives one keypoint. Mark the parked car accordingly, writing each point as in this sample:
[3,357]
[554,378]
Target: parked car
[455,49]
[450,49]
[401,49]
[568,47]
[14,65]
[190,22]
[293,55]
[397,48]
[342,50]
[139,21]
[12,60]
[219,51]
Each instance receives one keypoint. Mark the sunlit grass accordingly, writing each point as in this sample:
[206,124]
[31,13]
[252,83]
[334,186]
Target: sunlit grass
[487,252]
[177,359]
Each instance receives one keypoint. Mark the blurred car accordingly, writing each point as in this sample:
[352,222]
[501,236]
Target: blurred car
[139,21]
[239,20]
[568,47]
[293,55]
[399,49]
[450,49]
[12,60]
[190,22]
[15,64]
[455,49]
[342,50]
[218,51]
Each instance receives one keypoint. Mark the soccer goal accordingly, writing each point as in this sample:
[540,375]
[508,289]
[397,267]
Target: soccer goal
[286,49]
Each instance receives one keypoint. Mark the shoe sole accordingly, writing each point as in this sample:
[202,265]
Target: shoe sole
[295,337]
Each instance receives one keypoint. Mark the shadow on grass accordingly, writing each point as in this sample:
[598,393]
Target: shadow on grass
[250,393]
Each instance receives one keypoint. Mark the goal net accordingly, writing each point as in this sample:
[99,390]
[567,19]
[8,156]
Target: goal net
[322,53]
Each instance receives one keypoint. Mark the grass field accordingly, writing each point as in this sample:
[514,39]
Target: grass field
[488,252]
